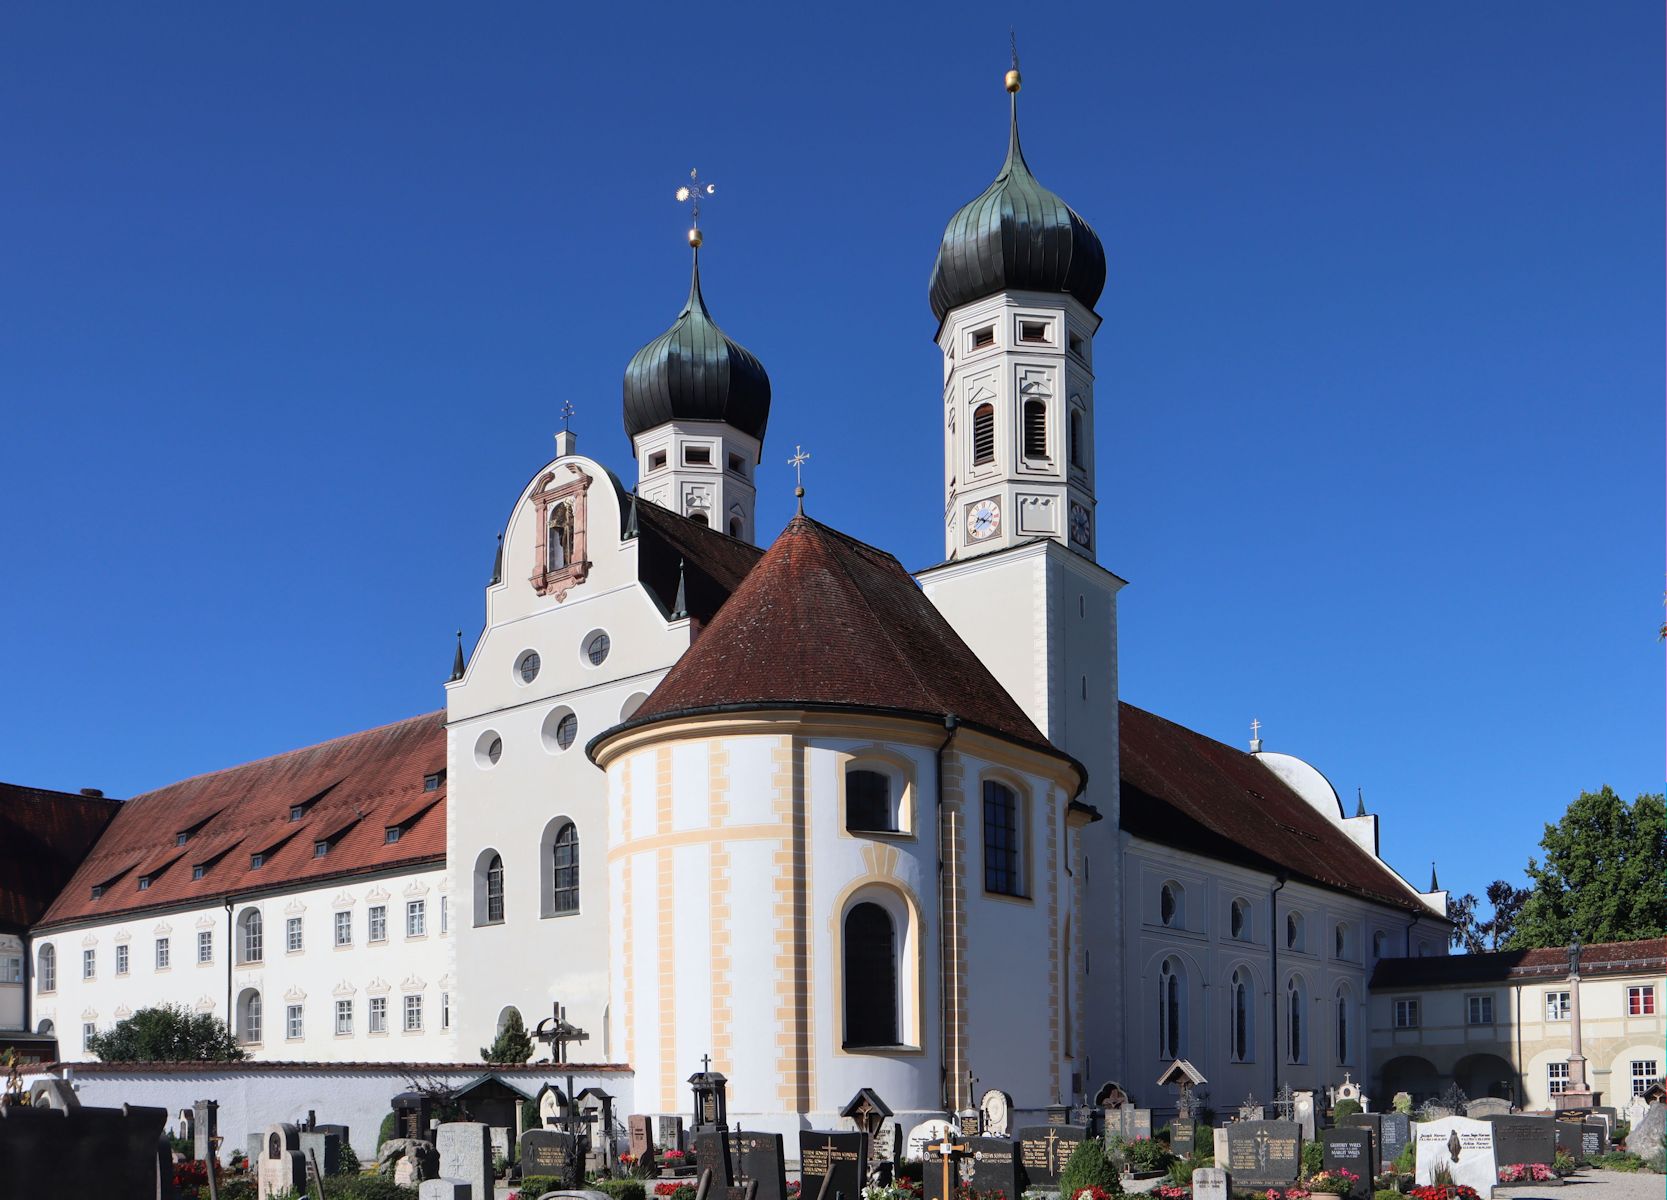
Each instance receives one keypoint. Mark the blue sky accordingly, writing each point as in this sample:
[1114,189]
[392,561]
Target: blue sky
[290,297]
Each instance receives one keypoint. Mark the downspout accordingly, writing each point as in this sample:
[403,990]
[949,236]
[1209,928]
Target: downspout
[231,951]
[1518,1088]
[951,724]
[28,982]
[1273,976]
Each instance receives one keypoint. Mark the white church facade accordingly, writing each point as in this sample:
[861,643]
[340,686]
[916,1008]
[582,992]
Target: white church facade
[831,825]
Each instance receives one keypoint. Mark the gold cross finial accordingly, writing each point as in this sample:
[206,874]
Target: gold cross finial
[692,192]
[797,462]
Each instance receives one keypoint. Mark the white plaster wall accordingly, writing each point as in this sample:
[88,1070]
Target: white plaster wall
[713,489]
[11,991]
[315,977]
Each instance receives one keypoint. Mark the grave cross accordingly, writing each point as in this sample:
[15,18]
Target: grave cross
[556,1031]
[946,1151]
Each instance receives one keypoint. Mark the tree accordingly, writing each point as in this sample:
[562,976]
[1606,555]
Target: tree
[1604,875]
[512,1045]
[1474,935]
[167,1033]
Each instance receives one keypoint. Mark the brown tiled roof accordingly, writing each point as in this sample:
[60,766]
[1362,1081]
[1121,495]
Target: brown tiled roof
[43,838]
[825,621]
[1500,966]
[712,564]
[1185,790]
[348,786]
[266,1067]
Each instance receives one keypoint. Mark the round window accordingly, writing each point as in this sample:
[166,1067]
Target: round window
[597,646]
[566,730]
[489,748]
[527,666]
[560,730]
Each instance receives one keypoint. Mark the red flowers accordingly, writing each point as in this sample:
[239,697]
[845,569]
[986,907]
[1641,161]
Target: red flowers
[1449,1191]
[1518,1172]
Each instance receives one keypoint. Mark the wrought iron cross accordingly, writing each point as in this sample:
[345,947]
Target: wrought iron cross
[693,191]
[567,411]
[797,462]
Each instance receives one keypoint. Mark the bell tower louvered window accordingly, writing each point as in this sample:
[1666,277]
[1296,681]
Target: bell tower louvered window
[983,434]
[1036,428]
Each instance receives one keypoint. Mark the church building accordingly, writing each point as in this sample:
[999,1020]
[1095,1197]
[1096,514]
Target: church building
[833,825]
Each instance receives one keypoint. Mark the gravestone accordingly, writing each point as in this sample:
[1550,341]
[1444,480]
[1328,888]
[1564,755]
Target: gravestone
[1183,1137]
[759,1158]
[86,1151]
[932,1179]
[935,1130]
[1518,1139]
[1372,1121]
[885,1148]
[1353,1149]
[670,1133]
[712,1154]
[257,1143]
[1264,1153]
[992,1165]
[552,1152]
[56,1094]
[552,1105]
[443,1189]
[413,1116]
[1636,1110]
[498,1136]
[282,1169]
[1487,1106]
[1218,1145]
[419,1162]
[1568,1142]
[1396,1128]
[182,1126]
[1594,1138]
[324,1149]
[1043,1150]
[837,1157]
[466,1155]
[1211,1183]
[1463,1146]
[1129,1123]
[1302,1112]
[995,1113]
[641,1128]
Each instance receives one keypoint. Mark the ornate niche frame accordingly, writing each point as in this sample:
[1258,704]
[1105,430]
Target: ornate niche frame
[546,495]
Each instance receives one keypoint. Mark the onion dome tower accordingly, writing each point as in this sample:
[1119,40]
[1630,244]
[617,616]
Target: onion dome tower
[1014,286]
[696,404]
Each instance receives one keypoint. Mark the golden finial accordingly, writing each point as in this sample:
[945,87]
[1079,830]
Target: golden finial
[1013,80]
[695,238]
[694,191]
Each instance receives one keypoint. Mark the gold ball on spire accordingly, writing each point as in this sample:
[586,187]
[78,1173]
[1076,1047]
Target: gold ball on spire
[695,239]
[1013,80]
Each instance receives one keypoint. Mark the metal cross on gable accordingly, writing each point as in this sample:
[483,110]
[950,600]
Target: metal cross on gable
[567,411]
[693,191]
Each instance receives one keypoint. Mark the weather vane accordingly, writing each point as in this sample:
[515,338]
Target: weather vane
[693,191]
[567,411]
[797,462]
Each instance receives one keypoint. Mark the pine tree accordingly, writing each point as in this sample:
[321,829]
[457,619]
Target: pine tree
[512,1045]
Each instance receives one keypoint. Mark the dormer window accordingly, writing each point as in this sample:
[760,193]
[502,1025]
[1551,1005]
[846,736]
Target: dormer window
[181,838]
[431,781]
[297,811]
[320,849]
[198,871]
[560,560]
[144,883]
[257,861]
[98,890]
[390,835]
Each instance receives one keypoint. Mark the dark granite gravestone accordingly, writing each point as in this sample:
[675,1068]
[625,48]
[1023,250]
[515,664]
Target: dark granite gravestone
[1372,1121]
[1594,1138]
[1518,1139]
[1265,1153]
[84,1151]
[1351,1148]
[551,1152]
[712,1154]
[1396,1130]
[759,1157]
[670,1133]
[839,1157]
[1043,1150]
[1183,1137]
[1568,1140]
[932,1177]
[1129,1123]
[323,1149]
[994,1163]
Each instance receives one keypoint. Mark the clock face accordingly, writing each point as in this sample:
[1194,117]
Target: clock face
[984,519]
[1082,530]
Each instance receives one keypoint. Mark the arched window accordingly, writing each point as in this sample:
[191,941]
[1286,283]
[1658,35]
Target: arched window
[1065,992]
[1345,1047]
[1171,1009]
[46,969]
[1076,439]
[1339,941]
[1296,1031]
[1238,921]
[735,527]
[558,547]
[1241,1035]
[1169,904]
[1293,931]
[250,932]
[698,516]
[983,434]
[869,804]
[504,1015]
[870,976]
[495,890]
[248,1017]
[1380,943]
[564,870]
[1003,860]
[1036,428]
[46,1029]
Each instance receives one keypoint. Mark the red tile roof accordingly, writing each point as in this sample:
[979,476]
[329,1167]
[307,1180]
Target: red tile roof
[1182,789]
[350,790]
[1499,966]
[826,621]
[43,837]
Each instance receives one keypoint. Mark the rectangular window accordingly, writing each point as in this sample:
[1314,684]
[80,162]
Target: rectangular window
[657,460]
[256,861]
[181,838]
[983,337]
[413,1014]
[89,964]
[296,811]
[292,935]
[205,946]
[416,918]
[292,1022]
[1557,1078]
[87,1031]
[344,1017]
[378,923]
[1479,1010]
[379,1014]
[1557,1006]
[344,929]
[1645,1071]
[11,969]
[1640,1001]
[697,456]
[48,979]
[98,890]
[431,782]
[198,871]
[320,849]
[1002,858]
[144,883]
[445,1010]
[390,835]
[121,959]
[443,917]
[1033,331]
[1406,1014]
[163,955]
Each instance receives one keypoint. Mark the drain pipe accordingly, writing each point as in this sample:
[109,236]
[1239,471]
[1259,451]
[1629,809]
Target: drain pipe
[952,725]
[1273,974]
[231,949]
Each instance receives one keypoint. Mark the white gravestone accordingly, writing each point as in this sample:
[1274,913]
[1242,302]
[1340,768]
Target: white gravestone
[1211,1183]
[1302,1112]
[935,1130]
[1464,1147]
[1219,1145]
[466,1156]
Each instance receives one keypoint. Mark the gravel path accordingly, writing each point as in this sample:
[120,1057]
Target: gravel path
[1593,1184]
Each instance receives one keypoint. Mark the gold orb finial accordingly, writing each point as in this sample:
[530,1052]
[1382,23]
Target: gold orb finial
[1013,80]
[695,238]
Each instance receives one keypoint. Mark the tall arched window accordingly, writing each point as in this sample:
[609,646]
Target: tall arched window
[250,940]
[1169,904]
[1296,1030]
[248,1016]
[1344,1047]
[1380,943]
[564,870]
[46,969]
[1036,428]
[1238,921]
[868,802]
[1293,931]
[735,527]
[558,546]
[1171,1009]
[1241,1034]
[1065,992]
[1003,860]
[495,889]
[870,976]
[1076,439]
[983,434]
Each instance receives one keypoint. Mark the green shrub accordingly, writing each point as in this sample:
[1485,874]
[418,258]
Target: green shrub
[533,1186]
[1313,1158]
[1148,1154]
[1345,1108]
[622,1189]
[1619,1160]
[238,1189]
[1406,1161]
[1180,1171]
[1088,1167]
[348,1163]
[386,1134]
[1622,1128]
[1390,1194]
[1402,1102]
[366,1187]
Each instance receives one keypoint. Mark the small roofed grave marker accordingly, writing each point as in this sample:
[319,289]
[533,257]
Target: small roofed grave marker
[1351,1148]
[868,1113]
[832,1163]
[710,1090]
[1186,1079]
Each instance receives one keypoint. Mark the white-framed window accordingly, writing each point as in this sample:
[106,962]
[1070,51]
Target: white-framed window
[121,958]
[1645,1072]
[1380,943]
[252,935]
[1172,1010]
[416,918]
[46,975]
[292,1022]
[89,964]
[164,954]
[205,945]
[1004,849]
[413,1014]
[344,928]
[11,968]
[1640,1001]
[1293,931]
[1557,1006]
[379,1014]
[87,1031]
[1296,1021]
[249,1014]
[292,935]
[1406,1014]
[344,1017]
[378,919]
[1478,1010]
[1557,1078]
